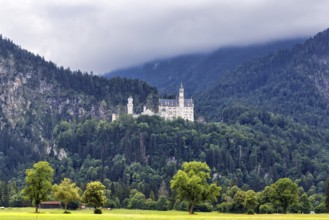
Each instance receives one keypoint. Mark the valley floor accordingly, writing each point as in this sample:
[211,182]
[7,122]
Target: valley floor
[120,214]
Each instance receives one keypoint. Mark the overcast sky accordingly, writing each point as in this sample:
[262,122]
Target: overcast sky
[103,35]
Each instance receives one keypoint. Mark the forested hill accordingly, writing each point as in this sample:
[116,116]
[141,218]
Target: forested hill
[198,72]
[293,82]
[61,116]
[35,95]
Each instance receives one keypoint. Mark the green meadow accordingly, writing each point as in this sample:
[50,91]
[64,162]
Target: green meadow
[118,214]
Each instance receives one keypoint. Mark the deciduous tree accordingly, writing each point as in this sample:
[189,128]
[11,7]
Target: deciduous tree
[66,192]
[250,201]
[285,193]
[38,182]
[94,195]
[190,184]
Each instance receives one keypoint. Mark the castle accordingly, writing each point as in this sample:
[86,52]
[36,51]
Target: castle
[169,109]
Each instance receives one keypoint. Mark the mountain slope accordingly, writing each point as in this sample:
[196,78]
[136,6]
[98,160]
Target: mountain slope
[58,115]
[290,82]
[35,95]
[198,72]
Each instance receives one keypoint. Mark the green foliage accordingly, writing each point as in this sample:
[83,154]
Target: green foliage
[136,200]
[250,201]
[38,183]
[162,204]
[4,194]
[94,195]
[66,192]
[305,204]
[321,208]
[224,207]
[190,184]
[150,204]
[327,195]
[17,200]
[239,201]
[181,205]
[98,211]
[266,208]
[250,212]
[284,194]
[239,154]
[204,207]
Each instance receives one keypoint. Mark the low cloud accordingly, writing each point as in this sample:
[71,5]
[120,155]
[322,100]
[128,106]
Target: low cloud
[105,35]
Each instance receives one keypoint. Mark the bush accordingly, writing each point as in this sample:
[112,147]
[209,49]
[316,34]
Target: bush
[98,211]
[125,203]
[181,205]
[73,205]
[295,208]
[113,203]
[204,207]
[224,207]
[150,204]
[266,208]
[321,208]
[250,212]
[137,201]
[162,204]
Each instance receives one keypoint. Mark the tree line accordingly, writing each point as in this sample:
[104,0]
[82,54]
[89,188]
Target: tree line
[192,188]
[144,154]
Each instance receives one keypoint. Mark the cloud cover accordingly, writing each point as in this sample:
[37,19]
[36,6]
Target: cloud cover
[103,35]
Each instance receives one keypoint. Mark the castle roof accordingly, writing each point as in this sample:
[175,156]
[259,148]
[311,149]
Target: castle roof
[174,102]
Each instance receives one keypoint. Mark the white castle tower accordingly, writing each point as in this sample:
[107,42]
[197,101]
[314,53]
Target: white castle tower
[130,106]
[181,100]
[181,96]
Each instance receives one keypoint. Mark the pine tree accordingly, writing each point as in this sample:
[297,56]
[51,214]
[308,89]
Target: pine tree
[327,195]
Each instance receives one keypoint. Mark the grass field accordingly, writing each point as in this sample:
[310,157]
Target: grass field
[120,214]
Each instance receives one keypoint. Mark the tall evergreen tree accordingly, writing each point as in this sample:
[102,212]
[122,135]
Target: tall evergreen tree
[327,195]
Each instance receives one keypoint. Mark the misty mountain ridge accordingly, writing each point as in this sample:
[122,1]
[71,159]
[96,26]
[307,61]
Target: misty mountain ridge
[292,82]
[198,72]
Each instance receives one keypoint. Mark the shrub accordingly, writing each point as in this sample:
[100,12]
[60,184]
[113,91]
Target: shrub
[250,212]
[73,205]
[125,203]
[266,208]
[295,208]
[321,208]
[224,207]
[181,205]
[204,207]
[137,201]
[98,211]
[162,204]
[151,204]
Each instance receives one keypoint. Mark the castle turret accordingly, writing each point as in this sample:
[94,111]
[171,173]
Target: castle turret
[181,96]
[130,106]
